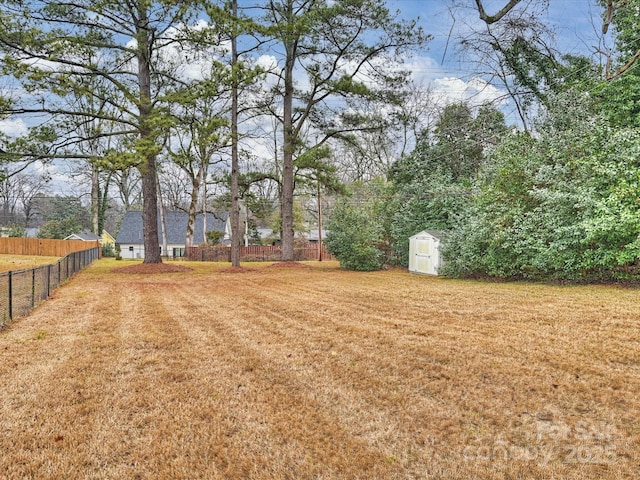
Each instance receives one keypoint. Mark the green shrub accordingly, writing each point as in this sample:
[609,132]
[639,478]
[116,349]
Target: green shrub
[16,231]
[356,231]
[107,250]
[214,237]
[353,242]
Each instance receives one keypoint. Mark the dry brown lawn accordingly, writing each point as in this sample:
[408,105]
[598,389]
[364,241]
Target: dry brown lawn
[320,373]
[21,262]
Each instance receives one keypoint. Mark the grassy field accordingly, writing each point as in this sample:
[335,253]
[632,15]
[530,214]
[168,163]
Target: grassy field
[21,262]
[320,373]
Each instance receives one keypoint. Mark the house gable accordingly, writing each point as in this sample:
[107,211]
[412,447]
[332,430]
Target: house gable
[107,238]
[84,236]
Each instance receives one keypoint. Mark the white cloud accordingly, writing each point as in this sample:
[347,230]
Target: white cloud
[13,127]
[475,91]
[44,64]
[448,86]
[424,69]
[59,175]
[268,62]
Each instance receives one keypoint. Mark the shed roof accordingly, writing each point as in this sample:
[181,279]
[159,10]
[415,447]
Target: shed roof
[176,227]
[434,233]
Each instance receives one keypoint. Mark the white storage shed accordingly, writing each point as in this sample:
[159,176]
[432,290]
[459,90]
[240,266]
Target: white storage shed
[424,252]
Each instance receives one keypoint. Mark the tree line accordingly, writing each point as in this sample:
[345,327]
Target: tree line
[265,101]
[558,198]
[122,84]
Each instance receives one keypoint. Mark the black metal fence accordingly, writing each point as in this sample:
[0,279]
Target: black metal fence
[22,290]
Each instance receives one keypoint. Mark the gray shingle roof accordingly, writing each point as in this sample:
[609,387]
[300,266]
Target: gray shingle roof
[435,233]
[176,223]
[85,235]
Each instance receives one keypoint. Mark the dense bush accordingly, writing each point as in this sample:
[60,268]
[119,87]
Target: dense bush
[16,231]
[560,206]
[433,185]
[357,234]
[59,229]
[353,238]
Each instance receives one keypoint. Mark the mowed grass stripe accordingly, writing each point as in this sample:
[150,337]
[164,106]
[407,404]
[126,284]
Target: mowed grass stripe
[404,390]
[272,396]
[277,321]
[155,403]
[316,373]
[549,333]
[536,388]
[68,355]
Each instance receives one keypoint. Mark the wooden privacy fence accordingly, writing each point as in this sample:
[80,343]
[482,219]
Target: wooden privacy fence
[254,253]
[44,247]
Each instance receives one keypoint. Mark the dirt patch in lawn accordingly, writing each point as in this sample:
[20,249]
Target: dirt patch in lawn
[319,372]
[151,268]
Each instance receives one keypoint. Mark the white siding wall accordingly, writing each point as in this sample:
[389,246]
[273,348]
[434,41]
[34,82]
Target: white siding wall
[129,252]
[136,251]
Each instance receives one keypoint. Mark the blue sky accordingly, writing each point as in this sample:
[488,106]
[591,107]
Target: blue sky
[572,19]
[442,66]
[451,75]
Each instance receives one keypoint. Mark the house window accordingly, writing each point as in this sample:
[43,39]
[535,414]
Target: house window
[131,248]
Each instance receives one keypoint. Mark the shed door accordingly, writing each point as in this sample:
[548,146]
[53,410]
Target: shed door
[426,256]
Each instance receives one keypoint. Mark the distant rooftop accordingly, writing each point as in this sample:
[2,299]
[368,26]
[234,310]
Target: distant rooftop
[176,226]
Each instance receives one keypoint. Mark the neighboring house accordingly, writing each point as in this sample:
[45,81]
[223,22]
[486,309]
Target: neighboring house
[424,252]
[104,240]
[312,236]
[107,238]
[131,240]
[85,236]
[269,237]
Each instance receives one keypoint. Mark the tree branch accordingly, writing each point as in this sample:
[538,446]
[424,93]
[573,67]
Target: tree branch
[624,68]
[489,19]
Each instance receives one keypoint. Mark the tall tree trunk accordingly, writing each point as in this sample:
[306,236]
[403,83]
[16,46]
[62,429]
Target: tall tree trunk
[148,168]
[319,223]
[235,207]
[95,200]
[163,223]
[288,148]
[287,187]
[193,204]
[104,203]
[150,212]
[204,206]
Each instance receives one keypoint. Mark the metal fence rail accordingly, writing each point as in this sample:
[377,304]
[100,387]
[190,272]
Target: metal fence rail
[22,290]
